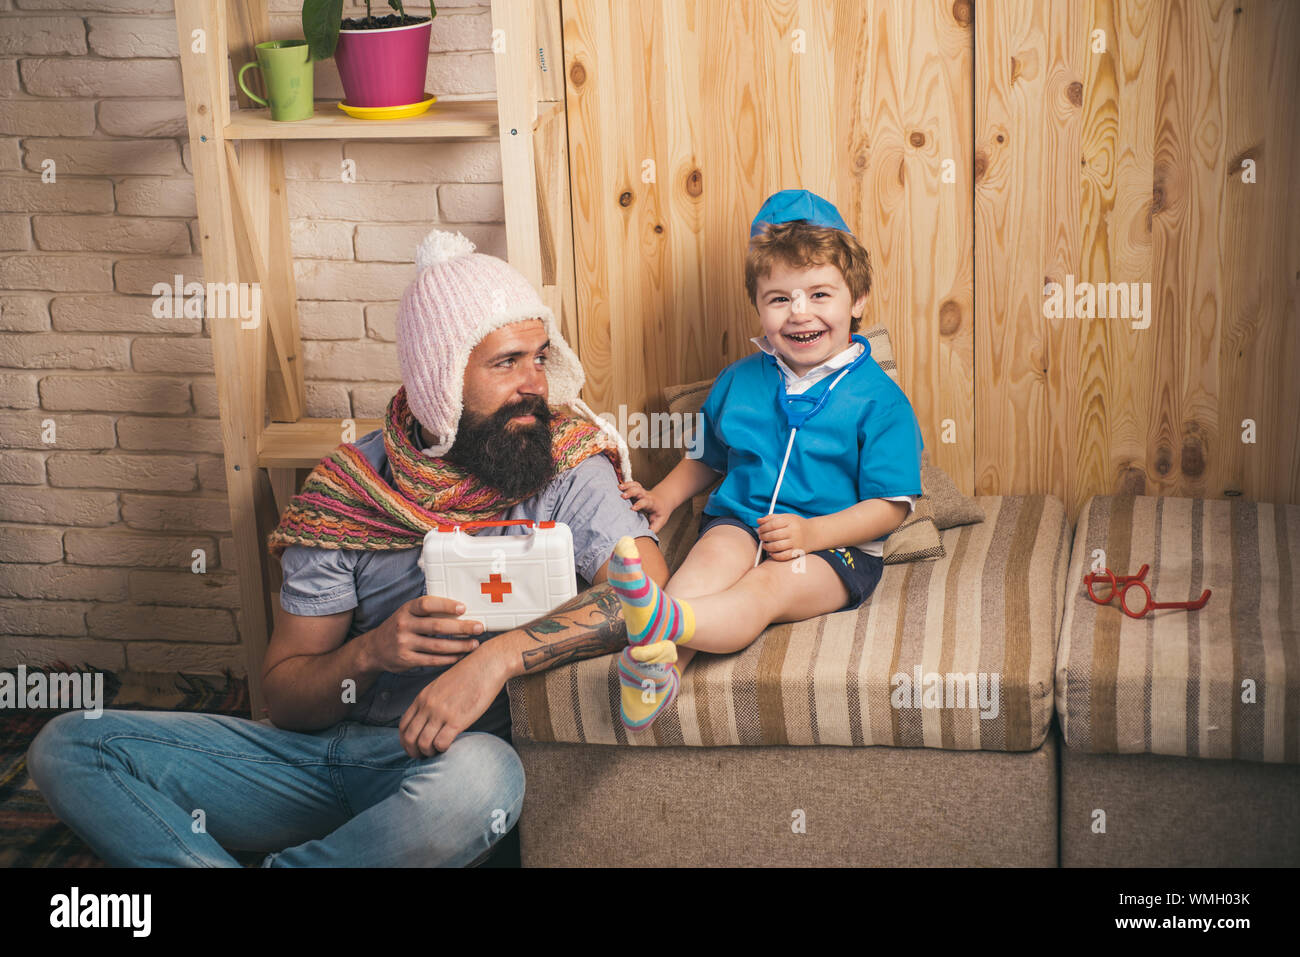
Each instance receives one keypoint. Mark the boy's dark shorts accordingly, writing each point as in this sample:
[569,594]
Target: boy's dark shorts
[859,571]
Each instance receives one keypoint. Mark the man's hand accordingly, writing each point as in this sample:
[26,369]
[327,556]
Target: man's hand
[422,632]
[784,536]
[451,703]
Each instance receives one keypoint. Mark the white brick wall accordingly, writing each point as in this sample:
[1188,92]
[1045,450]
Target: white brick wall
[98,527]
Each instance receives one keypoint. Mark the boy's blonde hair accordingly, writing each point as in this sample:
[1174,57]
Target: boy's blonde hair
[799,245]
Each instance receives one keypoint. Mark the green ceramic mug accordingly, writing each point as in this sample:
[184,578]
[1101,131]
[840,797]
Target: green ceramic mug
[287,70]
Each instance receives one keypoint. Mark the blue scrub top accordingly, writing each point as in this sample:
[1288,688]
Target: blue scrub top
[864,443]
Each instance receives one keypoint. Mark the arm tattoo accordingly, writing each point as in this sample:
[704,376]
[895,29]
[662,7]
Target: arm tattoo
[586,626]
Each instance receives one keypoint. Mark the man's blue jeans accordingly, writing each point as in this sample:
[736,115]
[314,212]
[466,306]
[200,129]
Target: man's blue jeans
[129,783]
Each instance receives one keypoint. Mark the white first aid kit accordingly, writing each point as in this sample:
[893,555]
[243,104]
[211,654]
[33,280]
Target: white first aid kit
[504,581]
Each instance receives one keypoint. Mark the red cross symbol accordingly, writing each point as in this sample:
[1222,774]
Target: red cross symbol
[495,587]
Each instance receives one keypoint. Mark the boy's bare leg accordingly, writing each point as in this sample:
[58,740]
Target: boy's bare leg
[721,557]
[774,591]
[671,624]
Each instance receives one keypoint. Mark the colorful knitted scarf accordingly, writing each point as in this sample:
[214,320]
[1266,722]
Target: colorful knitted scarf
[346,504]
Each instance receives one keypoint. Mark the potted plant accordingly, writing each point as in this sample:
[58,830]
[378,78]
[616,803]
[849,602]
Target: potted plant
[382,61]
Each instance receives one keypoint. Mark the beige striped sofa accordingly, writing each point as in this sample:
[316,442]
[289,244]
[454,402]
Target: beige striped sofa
[1105,741]
[791,753]
[1182,729]
[807,747]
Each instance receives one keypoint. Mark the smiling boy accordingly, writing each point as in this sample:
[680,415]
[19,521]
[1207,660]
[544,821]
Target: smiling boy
[817,505]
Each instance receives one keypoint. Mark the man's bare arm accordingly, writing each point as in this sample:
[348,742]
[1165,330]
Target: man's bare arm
[586,626]
[309,659]
[305,666]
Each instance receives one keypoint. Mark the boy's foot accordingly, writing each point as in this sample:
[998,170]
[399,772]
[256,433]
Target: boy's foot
[651,615]
[649,682]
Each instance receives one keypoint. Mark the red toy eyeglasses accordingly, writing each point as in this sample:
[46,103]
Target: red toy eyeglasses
[1112,581]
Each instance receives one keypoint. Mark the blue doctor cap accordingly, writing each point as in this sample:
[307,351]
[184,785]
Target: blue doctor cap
[791,204]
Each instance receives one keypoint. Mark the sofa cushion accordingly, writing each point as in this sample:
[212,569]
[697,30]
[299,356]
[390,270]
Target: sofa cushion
[948,505]
[677,536]
[686,400]
[917,539]
[1222,681]
[990,606]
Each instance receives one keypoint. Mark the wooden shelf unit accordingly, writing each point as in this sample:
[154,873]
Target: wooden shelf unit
[301,444]
[240,191]
[454,119]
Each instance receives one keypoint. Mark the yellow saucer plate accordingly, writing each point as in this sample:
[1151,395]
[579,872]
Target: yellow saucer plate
[388,112]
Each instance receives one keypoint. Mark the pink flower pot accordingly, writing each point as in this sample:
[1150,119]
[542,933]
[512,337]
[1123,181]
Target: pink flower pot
[384,67]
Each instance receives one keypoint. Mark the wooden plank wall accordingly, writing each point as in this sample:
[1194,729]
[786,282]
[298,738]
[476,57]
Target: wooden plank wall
[718,95]
[1126,166]
[1115,166]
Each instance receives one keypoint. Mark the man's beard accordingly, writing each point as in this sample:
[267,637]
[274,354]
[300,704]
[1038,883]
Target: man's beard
[513,459]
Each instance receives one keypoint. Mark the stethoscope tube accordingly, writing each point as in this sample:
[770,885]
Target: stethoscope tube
[796,419]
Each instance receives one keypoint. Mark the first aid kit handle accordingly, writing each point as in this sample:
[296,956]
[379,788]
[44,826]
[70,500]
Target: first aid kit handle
[495,524]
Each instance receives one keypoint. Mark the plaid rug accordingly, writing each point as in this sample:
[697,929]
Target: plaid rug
[30,834]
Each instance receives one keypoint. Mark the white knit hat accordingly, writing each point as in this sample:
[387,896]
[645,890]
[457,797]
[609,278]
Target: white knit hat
[457,298]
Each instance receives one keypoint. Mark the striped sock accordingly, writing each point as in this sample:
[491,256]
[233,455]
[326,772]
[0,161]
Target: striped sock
[649,681]
[650,614]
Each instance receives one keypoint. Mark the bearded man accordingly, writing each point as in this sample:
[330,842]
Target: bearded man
[387,742]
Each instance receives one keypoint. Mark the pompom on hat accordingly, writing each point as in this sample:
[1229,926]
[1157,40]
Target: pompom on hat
[458,298]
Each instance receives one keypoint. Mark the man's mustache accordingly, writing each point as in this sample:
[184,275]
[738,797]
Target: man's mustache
[537,407]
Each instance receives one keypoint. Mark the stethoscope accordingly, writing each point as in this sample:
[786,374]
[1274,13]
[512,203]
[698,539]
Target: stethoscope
[799,409]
